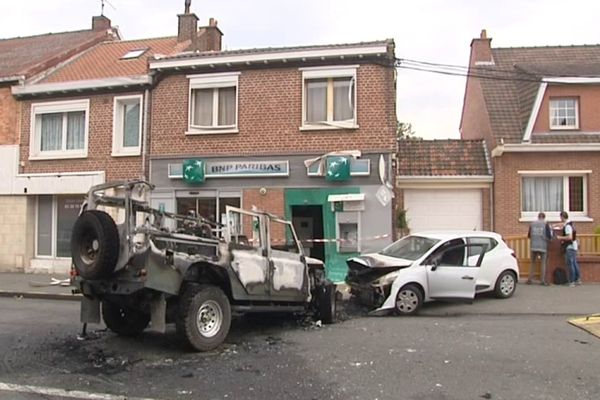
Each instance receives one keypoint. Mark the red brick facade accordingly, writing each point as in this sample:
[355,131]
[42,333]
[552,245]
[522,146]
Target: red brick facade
[99,156]
[270,115]
[589,102]
[507,186]
[9,116]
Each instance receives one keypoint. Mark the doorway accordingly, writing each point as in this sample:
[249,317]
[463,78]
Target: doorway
[308,224]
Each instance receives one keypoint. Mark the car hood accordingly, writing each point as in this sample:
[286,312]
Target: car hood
[377,260]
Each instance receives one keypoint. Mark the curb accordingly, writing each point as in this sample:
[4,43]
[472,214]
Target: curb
[40,295]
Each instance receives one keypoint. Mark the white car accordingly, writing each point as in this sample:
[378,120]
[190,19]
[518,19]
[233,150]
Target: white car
[434,266]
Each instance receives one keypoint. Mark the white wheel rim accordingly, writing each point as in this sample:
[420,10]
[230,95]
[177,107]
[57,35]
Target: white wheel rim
[209,318]
[407,301]
[507,284]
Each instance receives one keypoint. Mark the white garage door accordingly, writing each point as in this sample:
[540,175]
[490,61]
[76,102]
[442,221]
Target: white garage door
[443,209]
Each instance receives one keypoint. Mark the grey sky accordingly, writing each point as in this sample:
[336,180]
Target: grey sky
[430,30]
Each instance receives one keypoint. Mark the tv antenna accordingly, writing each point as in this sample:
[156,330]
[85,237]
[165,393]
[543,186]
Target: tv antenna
[102,2]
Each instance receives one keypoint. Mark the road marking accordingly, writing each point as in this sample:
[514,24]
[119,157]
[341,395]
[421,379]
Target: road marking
[71,394]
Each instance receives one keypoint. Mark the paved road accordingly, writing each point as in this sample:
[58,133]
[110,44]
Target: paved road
[430,357]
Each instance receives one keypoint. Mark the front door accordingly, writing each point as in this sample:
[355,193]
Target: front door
[308,223]
[450,276]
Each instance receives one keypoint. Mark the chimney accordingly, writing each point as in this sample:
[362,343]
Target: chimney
[188,24]
[209,37]
[481,50]
[100,23]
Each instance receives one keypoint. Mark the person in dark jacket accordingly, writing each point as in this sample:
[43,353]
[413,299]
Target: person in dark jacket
[539,235]
[570,246]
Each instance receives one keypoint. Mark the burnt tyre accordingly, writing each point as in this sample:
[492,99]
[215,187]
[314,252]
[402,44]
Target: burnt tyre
[506,284]
[124,321]
[326,303]
[409,300]
[95,245]
[204,317]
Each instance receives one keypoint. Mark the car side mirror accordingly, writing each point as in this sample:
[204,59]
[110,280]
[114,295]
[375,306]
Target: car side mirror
[434,265]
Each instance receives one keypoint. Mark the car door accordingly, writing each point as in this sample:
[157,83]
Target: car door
[247,238]
[449,275]
[289,274]
[487,271]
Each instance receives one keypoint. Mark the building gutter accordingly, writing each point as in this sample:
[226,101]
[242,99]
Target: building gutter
[13,78]
[283,56]
[445,179]
[91,84]
[544,148]
[145,133]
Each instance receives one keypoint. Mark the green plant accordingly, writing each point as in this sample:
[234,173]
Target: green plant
[402,222]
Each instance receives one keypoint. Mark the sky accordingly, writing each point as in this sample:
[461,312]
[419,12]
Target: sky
[427,30]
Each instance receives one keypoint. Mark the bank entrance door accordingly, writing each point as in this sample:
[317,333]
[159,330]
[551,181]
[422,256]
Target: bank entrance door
[308,224]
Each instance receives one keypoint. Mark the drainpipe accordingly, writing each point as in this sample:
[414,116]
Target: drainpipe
[145,133]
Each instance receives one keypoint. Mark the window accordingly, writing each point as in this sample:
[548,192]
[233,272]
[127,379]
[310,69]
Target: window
[56,216]
[564,114]
[213,103]
[552,194]
[489,244]
[210,205]
[133,54]
[329,98]
[127,126]
[59,130]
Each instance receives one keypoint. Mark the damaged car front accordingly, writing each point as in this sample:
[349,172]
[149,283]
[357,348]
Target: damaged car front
[370,276]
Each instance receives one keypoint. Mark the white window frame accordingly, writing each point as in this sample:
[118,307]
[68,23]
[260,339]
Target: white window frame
[35,152]
[551,114]
[213,81]
[118,150]
[346,71]
[554,216]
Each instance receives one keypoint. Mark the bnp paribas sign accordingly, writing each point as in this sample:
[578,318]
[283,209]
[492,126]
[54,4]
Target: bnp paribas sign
[195,171]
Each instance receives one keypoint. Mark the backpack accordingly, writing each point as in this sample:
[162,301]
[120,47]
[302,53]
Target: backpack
[560,276]
[565,243]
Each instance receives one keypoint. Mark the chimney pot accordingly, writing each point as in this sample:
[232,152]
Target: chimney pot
[483,34]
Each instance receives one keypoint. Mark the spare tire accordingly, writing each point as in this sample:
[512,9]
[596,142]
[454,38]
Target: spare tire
[95,245]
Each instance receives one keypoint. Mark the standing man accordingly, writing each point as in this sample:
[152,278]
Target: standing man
[569,244]
[539,234]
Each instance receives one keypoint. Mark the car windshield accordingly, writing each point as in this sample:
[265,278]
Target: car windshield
[409,247]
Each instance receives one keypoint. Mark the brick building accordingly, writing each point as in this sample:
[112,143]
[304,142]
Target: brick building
[536,108]
[23,59]
[303,132]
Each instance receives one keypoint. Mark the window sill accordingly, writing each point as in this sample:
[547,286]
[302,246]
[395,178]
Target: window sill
[327,127]
[126,154]
[564,128]
[574,218]
[193,132]
[57,156]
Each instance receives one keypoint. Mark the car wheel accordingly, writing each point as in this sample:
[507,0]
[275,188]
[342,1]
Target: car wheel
[506,284]
[95,245]
[408,300]
[122,320]
[326,303]
[204,317]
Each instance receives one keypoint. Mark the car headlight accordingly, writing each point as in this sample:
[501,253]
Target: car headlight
[387,279]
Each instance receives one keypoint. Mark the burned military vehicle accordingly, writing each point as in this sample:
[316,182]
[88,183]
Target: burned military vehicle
[146,267]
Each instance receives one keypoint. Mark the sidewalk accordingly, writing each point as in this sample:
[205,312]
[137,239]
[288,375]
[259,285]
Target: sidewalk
[35,286]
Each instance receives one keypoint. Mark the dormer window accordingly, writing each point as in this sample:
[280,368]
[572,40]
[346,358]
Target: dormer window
[564,114]
[133,54]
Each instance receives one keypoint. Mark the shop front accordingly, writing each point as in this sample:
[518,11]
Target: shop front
[338,205]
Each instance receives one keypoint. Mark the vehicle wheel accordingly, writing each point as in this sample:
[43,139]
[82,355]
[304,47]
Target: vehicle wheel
[505,285]
[95,245]
[204,317]
[408,300]
[326,303]
[124,321]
